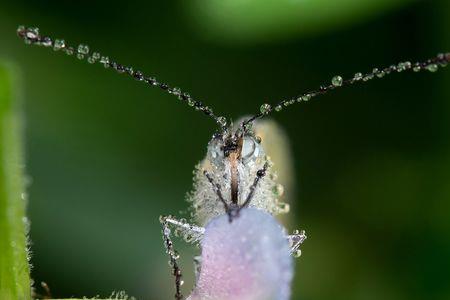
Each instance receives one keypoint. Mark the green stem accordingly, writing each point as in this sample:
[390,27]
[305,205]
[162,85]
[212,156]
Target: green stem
[14,267]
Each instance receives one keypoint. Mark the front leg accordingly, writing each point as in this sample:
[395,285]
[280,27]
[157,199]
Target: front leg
[295,240]
[190,233]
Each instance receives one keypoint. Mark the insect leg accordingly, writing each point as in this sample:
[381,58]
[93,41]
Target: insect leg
[259,174]
[173,257]
[295,240]
[189,232]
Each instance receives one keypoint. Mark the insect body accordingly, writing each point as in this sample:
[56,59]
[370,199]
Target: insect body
[235,182]
[240,174]
[246,254]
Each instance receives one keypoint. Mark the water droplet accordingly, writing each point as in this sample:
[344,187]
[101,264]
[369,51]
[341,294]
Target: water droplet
[278,190]
[222,121]
[129,70]
[175,91]
[152,81]
[46,41]
[297,253]
[283,208]
[32,33]
[20,29]
[188,237]
[358,76]
[184,96]
[417,68]
[337,81]
[380,74]
[432,67]
[247,127]
[306,97]
[181,282]
[94,58]
[105,61]
[278,108]
[83,49]
[392,68]
[69,50]
[265,108]
[166,231]
[59,44]
[368,77]
[400,67]
[206,109]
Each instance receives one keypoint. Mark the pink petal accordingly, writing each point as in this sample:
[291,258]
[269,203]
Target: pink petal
[246,259]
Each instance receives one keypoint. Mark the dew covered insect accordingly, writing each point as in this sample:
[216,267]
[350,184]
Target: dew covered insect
[246,253]
[234,198]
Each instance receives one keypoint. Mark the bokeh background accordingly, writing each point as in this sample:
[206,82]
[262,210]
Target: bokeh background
[107,155]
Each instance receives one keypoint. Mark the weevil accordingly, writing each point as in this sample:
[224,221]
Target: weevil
[246,253]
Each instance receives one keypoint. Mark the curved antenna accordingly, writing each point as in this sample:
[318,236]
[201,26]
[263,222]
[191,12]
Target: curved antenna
[432,65]
[32,36]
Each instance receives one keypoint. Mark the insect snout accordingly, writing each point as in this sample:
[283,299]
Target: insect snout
[232,144]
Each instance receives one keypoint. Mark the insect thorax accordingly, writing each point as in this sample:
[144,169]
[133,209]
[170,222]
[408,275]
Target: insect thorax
[252,158]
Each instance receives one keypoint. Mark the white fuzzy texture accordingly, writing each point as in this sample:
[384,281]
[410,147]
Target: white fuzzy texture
[205,202]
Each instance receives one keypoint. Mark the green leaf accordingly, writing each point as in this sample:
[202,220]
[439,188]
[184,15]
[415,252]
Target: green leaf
[249,21]
[14,267]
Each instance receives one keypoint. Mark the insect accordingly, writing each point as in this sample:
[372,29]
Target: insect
[233,201]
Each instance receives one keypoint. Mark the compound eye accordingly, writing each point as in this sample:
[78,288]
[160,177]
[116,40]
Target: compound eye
[250,148]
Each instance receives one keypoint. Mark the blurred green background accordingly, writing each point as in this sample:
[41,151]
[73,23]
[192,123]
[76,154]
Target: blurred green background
[107,156]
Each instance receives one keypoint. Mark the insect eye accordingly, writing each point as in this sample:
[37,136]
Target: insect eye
[250,148]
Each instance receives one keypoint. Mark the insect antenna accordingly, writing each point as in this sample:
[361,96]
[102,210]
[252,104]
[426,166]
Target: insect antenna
[32,36]
[432,65]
